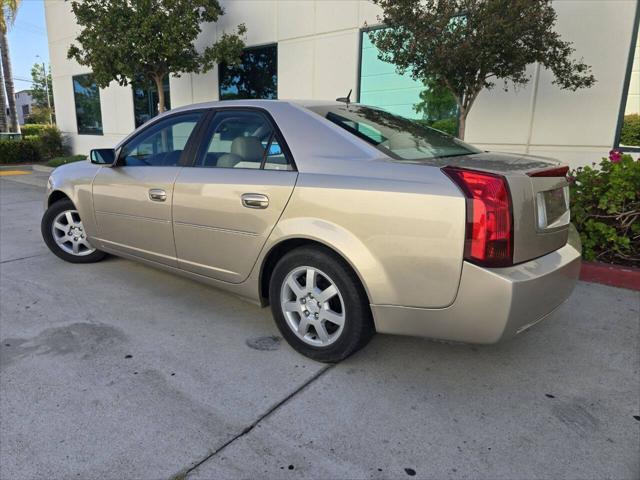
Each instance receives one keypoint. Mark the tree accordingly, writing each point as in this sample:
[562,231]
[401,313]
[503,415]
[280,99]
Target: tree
[121,40]
[41,88]
[466,45]
[8,12]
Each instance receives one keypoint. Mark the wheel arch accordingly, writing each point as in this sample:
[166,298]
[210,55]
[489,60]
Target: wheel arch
[284,246]
[56,196]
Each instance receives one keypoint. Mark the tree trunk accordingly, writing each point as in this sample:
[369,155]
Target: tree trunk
[462,123]
[3,104]
[8,81]
[160,87]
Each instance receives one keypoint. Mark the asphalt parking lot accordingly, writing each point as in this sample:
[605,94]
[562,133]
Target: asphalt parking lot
[116,370]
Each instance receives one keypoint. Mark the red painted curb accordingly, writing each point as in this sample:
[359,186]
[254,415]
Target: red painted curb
[613,275]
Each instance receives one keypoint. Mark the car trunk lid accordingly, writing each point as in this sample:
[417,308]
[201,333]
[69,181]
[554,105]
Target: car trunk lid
[539,194]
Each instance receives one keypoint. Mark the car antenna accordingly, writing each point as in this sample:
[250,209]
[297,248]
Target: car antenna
[346,99]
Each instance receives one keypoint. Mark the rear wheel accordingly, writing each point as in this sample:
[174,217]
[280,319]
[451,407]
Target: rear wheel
[64,234]
[319,305]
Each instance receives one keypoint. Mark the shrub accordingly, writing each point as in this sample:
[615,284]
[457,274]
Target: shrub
[605,206]
[33,129]
[630,134]
[20,151]
[57,161]
[52,143]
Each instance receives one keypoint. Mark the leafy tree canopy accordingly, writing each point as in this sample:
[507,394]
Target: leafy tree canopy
[122,39]
[41,86]
[466,45]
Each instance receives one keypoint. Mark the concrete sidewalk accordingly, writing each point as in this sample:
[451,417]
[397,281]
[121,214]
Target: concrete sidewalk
[116,370]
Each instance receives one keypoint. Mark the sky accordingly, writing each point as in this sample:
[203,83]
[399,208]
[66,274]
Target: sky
[28,38]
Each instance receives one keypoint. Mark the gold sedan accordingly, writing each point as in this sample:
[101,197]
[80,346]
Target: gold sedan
[346,219]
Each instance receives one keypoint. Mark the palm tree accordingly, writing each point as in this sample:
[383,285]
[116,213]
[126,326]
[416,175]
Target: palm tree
[8,12]
[3,104]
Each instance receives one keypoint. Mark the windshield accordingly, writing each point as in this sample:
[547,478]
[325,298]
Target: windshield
[398,137]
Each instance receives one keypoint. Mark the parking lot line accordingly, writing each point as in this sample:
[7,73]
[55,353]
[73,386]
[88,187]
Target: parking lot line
[6,173]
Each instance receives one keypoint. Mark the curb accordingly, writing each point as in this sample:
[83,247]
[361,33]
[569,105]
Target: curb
[42,168]
[612,275]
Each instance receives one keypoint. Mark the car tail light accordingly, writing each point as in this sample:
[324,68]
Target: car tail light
[550,172]
[489,232]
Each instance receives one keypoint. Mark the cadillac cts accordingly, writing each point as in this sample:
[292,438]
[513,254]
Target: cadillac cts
[346,219]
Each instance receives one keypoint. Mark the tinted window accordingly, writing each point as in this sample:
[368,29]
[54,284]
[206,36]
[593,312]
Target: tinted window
[242,139]
[87,99]
[145,99]
[255,77]
[161,144]
[396,136]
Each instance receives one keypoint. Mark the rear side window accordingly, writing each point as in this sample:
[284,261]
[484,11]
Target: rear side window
[242,139]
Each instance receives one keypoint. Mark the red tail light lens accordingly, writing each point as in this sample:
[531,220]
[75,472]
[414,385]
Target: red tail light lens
[489,231]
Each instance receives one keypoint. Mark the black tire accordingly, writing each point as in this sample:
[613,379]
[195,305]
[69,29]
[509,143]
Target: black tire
[47,234]
[358,324]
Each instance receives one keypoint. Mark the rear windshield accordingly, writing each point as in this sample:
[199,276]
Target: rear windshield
[398,137]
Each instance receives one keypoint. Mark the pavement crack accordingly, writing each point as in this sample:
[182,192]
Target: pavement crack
[185,473]
[22,258]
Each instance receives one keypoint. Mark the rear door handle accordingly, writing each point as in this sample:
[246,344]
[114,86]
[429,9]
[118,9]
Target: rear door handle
[157,195]
[255,200]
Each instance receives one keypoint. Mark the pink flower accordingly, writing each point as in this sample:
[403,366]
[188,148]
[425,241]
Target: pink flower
[615,156]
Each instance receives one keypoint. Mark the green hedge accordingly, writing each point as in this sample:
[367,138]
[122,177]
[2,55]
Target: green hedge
[33,129]
[52,143]
[20,151]
[605,207]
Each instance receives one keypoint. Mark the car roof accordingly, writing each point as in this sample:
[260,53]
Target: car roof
[307,103]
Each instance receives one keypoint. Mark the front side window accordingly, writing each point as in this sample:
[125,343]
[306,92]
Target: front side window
[87,99]
[161,144]
[255,77]
[396,136]
[242,139]
[145,99]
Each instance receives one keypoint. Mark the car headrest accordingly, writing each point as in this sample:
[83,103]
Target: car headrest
[248,148]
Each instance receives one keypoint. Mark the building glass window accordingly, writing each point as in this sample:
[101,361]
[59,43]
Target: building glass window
[255,77]
[87,99]
[382,86]
[145,99]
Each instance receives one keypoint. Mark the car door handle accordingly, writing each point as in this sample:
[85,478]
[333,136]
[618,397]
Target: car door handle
[255,200]
[157,195]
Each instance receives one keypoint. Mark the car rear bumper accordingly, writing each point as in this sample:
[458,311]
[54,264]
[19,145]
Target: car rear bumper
[492,304]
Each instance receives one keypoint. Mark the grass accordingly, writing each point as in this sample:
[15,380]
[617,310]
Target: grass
[57,161]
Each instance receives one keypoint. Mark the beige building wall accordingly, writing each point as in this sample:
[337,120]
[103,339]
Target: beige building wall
[318,57]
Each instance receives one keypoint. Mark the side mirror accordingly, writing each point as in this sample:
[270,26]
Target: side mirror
[103,156]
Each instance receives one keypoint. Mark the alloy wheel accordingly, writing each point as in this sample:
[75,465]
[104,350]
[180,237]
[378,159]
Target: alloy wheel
[68,233]
[313,306]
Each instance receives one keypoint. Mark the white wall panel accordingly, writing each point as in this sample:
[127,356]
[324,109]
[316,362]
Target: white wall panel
[336,65]
[601,31]
[296,65]
[334,15]
[295,19]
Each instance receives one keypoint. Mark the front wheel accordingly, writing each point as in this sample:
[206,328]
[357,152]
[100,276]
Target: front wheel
[64,234]
[319,305]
